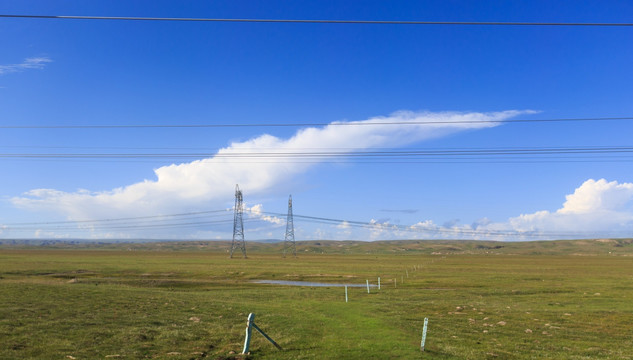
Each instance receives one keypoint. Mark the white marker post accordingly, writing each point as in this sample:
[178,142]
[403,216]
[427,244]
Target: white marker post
[426,321]
[249,326]
[407,273]
[367,286]
[345,293]
[395,283]
[379,283]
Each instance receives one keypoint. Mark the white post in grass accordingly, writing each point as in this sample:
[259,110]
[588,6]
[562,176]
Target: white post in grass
[407,273]
[426,321]
[367,286]
[249,326]
[345,293]
[395,283]
[379,283]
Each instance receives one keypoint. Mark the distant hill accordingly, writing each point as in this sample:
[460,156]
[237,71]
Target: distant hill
[584,247]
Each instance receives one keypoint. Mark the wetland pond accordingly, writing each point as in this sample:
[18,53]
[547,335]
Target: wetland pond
[308,283]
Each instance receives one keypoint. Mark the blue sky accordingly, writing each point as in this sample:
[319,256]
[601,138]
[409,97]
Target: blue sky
[86,72]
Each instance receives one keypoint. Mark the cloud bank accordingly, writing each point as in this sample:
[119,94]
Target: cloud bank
[210,181]
[597,205]
[597,208]
[28,63]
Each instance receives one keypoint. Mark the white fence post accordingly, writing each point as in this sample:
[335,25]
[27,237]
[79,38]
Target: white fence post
[249,326]
[379,283]
[367,286]
[345,293]
[426,321]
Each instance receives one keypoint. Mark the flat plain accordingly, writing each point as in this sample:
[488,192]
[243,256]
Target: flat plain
[188,300]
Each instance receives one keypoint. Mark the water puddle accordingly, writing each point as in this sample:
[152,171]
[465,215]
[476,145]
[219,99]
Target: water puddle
[308,283]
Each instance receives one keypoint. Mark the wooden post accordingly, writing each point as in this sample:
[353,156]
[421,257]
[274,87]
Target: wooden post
[249,325]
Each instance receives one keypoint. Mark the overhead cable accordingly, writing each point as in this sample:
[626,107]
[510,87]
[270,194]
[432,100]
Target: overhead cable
[318,21]
[94,221]
[614,152]
[195,220]
[347,123]
[436,230]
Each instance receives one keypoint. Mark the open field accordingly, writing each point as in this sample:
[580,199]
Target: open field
[409,247]
[131,301]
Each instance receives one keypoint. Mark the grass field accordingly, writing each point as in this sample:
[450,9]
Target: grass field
[189,301]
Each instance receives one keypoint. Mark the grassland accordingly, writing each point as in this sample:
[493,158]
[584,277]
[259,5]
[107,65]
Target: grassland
[555,300]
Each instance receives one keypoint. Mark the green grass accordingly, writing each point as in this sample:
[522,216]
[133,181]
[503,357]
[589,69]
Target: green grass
[94,303]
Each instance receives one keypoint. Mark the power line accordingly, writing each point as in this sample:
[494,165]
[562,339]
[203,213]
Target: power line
[443,161]
[436,230]
[138,226]
[329,150]
[123,226]
[118,219]
[194,219]
[351,123]
[320,21]
[617,152]
[191,219]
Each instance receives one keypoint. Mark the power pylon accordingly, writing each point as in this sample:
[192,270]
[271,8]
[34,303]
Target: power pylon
[238,224]
[289,240]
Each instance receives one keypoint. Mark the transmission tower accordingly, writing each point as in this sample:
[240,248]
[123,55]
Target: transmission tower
[238,224]
[289,240]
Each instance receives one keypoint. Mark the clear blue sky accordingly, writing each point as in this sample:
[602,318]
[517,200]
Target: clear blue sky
[57,72]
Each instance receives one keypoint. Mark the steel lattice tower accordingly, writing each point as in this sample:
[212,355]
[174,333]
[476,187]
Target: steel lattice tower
[238,224]
[289,240]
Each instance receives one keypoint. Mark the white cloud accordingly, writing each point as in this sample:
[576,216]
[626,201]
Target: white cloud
[209,182]
[424,225]
[595,206]
[28,63]
[598,196]
[344,231]
[257,212]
